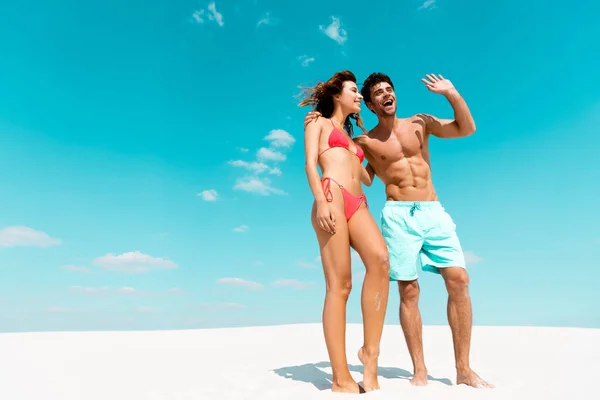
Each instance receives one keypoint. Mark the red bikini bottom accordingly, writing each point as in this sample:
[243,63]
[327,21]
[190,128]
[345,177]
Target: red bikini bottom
[351,202]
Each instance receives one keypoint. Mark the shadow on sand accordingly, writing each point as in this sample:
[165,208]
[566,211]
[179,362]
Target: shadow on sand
[313,374]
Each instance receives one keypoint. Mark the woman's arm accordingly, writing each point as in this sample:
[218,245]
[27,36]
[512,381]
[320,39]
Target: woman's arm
[324,217]
[312,132]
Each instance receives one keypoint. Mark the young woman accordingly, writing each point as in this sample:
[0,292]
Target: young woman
[341,220]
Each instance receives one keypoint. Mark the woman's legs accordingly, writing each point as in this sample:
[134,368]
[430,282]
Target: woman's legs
[368,242]
[335,256]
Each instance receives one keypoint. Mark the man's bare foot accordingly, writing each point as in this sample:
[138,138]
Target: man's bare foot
[369,362]
[470,378]
[348,386]
[419,378]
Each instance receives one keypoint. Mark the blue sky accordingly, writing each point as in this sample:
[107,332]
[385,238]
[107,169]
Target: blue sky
[152,157]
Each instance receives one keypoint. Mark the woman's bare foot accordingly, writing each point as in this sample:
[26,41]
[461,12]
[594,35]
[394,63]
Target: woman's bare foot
[369,362]
[470,378]
[419,378]
[346,386]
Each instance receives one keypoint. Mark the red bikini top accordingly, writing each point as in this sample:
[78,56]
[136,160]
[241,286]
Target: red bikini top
[338,139]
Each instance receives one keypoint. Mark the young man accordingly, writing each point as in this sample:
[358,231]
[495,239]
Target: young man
[417,229]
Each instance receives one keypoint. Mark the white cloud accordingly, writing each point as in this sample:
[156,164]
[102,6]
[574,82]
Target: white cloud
[257,167]
[214,14]
[290,283]
[221,306]
[266,20]
[209,195]
[275,171]
[197,15]
[135,262]
[242,228]
[14,236]
[280,138]
[56,309]
[305,264]
[429,4]
[76,268]
[243,149]
[306,60]
[241,283]
[472,258]
[335,31]
[256,185]
[265,158]
[126,290]
[269,155]
[143,309]
[90,290]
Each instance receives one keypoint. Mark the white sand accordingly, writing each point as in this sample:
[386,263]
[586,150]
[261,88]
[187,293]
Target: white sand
[289,362]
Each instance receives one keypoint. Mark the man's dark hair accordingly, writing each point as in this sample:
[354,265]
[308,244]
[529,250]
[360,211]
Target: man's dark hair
[372,80]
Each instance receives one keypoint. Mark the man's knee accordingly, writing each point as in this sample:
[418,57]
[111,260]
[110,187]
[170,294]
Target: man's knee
[457,280]
[409,292]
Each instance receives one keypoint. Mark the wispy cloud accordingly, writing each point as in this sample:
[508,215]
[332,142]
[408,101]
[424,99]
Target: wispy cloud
[306,60]
[266,19]
[305,264]
[54,309]
[428,5]
[250,285]
[335,31]
[214,15]
[280,138]
[90,290]
[76,268]
[256,185]
[472,258]
[209,195]
[222,306]
[242,228]
[125,291]
[14,236]
[199,16]
[144,309]
[265,154]
[266,160]
[133,261]
[291,283]
[256,167]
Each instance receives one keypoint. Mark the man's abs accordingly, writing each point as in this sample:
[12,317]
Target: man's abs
[408,179]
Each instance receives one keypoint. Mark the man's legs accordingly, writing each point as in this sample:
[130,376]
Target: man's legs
[460,319]
[442,254]
[412,326]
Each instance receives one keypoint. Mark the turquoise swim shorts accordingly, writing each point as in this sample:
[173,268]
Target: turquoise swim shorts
[419,234]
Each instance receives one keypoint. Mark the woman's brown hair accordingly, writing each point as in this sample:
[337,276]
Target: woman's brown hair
[320,97]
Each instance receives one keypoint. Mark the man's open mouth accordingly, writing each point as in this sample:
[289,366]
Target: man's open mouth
[388,103]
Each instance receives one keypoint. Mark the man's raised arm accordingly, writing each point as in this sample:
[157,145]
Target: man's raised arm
[462,125]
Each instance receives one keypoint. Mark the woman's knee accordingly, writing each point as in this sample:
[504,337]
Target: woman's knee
[380,262]
[340,286]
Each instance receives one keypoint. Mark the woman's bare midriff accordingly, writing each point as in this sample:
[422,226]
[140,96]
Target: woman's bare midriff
[343,167]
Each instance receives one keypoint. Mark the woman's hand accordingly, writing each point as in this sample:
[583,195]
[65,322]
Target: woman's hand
[326,218]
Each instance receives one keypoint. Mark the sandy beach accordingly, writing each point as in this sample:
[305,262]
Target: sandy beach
[289,362]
